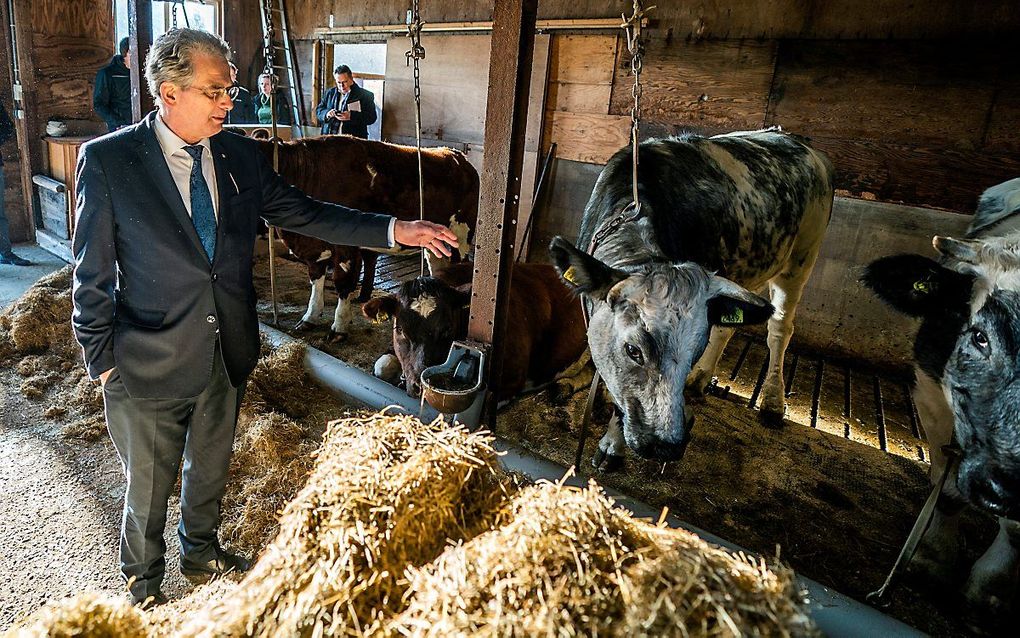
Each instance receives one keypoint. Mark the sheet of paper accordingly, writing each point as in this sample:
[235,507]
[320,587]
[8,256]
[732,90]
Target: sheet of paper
[354,106]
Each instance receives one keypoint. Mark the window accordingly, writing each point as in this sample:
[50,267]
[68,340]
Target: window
[206,16]
[368,63]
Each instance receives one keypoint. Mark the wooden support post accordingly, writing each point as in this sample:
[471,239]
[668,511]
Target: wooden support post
[510,60]
[140,32]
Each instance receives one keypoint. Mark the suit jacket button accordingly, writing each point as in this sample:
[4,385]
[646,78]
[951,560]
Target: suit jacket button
[215,277]
[211,318]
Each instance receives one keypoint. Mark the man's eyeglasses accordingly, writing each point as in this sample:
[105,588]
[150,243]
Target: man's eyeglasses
[217,94]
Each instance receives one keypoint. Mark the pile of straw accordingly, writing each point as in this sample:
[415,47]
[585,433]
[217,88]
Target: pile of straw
[387,492]
[568,562]
[84,615]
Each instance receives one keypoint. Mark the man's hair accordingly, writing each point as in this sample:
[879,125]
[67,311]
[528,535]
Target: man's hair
[343,69]
[125,44]
[171,57]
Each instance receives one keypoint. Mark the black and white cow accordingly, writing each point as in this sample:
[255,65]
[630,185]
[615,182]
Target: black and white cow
[967,367]
[720,217]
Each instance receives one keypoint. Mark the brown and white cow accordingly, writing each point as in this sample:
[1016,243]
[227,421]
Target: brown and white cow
[721,218]
[544,334]
[375,177]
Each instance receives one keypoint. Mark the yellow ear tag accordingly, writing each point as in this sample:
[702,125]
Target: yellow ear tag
[381,317]
[734,318]
[923,286]
[570,275]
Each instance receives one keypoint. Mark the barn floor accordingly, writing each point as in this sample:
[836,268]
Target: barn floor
[837,488]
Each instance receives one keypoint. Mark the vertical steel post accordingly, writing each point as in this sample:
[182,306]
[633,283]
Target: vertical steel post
[510,60]
[140,32]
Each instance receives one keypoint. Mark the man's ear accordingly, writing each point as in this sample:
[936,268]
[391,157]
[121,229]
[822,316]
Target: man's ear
[381,309]
[915,285]
[732,306]
[582,272]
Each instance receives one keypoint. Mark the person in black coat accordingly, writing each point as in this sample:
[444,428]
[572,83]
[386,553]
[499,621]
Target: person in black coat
[111,95]
[346,108]
[7,256]
[242,111]
[164,303]
[260,103]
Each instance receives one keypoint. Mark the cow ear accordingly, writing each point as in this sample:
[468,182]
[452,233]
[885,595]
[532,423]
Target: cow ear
[961,255]
[380,309]
[581,272]
[732,306]
[916,285]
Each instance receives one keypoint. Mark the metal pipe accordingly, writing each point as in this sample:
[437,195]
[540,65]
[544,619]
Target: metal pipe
[834,613]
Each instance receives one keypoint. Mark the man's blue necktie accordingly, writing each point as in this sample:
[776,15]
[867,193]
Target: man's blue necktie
[202,214]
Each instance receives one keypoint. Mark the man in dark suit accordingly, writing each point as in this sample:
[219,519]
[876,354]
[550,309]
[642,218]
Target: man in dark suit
[164,306]
[346,108]
[241,113]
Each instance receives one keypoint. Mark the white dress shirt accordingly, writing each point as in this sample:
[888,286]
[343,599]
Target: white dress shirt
[179,162]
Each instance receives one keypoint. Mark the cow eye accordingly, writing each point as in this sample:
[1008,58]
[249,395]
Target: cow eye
[635,354]
[979,339]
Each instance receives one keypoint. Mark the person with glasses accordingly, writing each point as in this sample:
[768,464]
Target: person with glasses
[164,303]
[346,108]
[261,104]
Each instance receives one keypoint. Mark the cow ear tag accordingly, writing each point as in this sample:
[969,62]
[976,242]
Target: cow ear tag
[570,275]
[734,318]
[381,317]
[923,286]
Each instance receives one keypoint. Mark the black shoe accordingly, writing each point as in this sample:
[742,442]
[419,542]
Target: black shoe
[148,602]
[11,259]
[224,563]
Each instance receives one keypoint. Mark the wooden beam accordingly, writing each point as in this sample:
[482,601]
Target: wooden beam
[510,63]
[589,24]
[140,32]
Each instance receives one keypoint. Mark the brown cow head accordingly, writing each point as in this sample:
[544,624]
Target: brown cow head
[428,315]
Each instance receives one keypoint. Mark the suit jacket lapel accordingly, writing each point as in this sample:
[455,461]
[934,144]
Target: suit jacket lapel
[151,155]
[225,185]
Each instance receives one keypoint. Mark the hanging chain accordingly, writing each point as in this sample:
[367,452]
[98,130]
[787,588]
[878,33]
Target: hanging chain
[632,29]
[173,13]
[267,50]
[413,57]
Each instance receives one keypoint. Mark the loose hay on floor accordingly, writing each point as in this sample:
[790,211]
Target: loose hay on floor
[86,615]
[387,492]
[570,563]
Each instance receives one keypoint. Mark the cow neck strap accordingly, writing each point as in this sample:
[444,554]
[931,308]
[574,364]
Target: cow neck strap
[877,597]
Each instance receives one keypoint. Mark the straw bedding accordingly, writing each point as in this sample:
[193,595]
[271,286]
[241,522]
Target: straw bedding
[86,615]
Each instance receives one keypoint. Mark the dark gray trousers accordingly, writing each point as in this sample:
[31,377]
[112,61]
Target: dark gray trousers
[151,437]
[5,232]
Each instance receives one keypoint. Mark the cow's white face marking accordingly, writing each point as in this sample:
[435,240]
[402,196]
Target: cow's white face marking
[372,173]
[461,230]
[424,305]
[324,255]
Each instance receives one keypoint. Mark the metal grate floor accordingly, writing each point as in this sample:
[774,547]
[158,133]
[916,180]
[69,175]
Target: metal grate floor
[833,396]
[393,270]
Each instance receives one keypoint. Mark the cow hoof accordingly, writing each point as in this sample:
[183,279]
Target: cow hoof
[303,326]
[771,419]
[606,463]
[336,337]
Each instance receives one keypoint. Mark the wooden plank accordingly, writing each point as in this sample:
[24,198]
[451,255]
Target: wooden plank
[583,59]
[917,93]
[584,137]
[715,84]
[536,111]
[1004,119]
[832,416]
[923,176]
[898,427]
[863,421]
[580,98]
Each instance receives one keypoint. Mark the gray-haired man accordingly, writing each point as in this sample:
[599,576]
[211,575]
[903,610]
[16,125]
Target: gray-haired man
[164,306]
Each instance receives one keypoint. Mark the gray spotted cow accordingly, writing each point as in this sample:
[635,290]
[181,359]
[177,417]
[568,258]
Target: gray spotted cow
[720,217]
[967,388]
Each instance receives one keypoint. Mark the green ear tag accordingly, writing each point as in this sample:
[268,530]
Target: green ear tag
[381,317]
[923,286]
[570,275]
[734,318]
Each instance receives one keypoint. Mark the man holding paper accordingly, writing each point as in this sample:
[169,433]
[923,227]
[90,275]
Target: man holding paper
[346,108]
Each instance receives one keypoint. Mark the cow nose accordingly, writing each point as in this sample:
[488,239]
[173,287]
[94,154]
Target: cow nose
[991,489]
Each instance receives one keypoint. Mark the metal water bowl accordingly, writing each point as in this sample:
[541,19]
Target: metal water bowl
[452,387]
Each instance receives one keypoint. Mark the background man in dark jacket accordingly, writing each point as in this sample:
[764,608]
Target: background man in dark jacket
[111,96]
[346,108]
[7,256]
[164,305]
[242,111]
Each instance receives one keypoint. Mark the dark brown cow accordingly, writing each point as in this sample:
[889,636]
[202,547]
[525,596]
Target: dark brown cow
[545,332]
[374,177]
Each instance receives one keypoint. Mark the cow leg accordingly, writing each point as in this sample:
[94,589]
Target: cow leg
[573,379]
[316,302]
[612,447]
[368,281]
[342,318]
[991,589]
[704,369]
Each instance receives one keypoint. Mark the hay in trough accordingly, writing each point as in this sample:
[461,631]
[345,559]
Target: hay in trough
[386,492]
[570,563]
[86,615]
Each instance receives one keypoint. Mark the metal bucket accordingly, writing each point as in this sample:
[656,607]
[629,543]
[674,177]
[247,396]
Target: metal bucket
[453,386]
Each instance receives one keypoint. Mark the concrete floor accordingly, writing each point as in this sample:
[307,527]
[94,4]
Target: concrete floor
[15,280]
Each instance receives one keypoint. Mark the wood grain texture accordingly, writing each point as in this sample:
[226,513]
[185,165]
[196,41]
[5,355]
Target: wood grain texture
[587,138]
[722,85]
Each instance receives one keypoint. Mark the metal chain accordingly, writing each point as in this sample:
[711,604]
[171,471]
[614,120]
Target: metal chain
[413,57]
[632,30]
[267,50]
[173,13]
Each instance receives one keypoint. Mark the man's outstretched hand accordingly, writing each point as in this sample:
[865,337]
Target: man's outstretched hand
[438,240]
